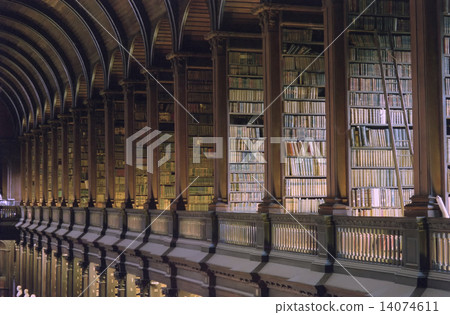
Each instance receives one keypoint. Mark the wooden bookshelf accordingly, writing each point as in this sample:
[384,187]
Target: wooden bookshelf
[373,183]
[84,189]
[199,104]
[245,103]
[445,27]
[166,125]
[50,168]
[100,157]
[70,158]
[60,166]
[119,153]
[140,121]
[304,121]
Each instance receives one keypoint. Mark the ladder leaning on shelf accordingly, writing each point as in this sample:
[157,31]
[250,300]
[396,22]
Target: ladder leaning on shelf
[393,141]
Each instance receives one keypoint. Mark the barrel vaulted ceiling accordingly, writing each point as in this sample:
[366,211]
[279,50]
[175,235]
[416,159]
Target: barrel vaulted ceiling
[54,54]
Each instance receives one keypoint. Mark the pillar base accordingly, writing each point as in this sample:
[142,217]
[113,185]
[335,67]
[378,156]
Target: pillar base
[128,204]
[109,203]
[270,205]
[334,206]
[178,205]
[422,206]
[218,205]
[150,204]
[91,203]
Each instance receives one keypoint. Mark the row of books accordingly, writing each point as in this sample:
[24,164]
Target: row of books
[306,78]
[243,206]
[244,177]
[199,87]
[383,7]
[375,116]
[373,70]
[303,205]
[371,55]
[237,70]
[196,190]
[297,35]
[380,158]
[446,65]
[202,171]
[195,201]
[247,168]
[305,167]
[295,49]
[245,145]
[305,187]
[200,130]
[246,95]
[447,86]
[245,83]
[246,108]
[377,212]
[246,197]
[305,134]
[381,23]
[380,177]
[363,40]
[377,100]
[302,62]
[305,149]
[246,187]
[310,121]
[362,136]
[246,157]
[375,84]
[199,108]
[243,58]
[297,92]
[246,132]
[304,107]
[202,181]
[197,97]
[199,75]
[167,191]
[379,197]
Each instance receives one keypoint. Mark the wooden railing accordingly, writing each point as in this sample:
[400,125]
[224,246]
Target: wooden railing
[237,229]
[378,240]
[9,213]
[439,244]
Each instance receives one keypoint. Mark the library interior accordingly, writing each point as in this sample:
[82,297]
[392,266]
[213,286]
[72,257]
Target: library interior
[224,148]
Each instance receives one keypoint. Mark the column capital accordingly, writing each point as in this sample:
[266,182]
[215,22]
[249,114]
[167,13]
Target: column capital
[269,19]
[218,45]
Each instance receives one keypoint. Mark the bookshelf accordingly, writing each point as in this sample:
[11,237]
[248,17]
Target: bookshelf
[245,103]
[199,104]
[446,85]
[100,157]
[70,159]
[50,168]
[140,121]
[60,167]
[373,188]
[84,189]
[304,121]
[119,153]
[166,126]
[41,169]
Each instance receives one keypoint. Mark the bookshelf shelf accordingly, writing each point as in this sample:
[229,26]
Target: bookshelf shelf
[100,157]
[140,121]
[119,153]
[304,171]
[373,182]
[445,27]
[70,150]
[84,189]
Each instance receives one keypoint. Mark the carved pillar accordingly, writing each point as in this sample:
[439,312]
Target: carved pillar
[429,170]
[109,147]
[220,110]
[44,156]
[92,152]
[130,180]
[152,120]
[29,168]
[23,161]
[54,157]
[65,158]
[336,111]
[76,150]
[181,133]
[270,26]
[36,166]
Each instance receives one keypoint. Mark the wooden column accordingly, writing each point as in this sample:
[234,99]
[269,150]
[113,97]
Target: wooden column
[270,26]
[429,170]
[152,121]
[76,160]
[23,155]
[218,47]
[130,181]
[336,110]
[36,166]
[65,158]
[109,147]
[181,133]
[54,157]
[44,156]
[29,168]
[92,105]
